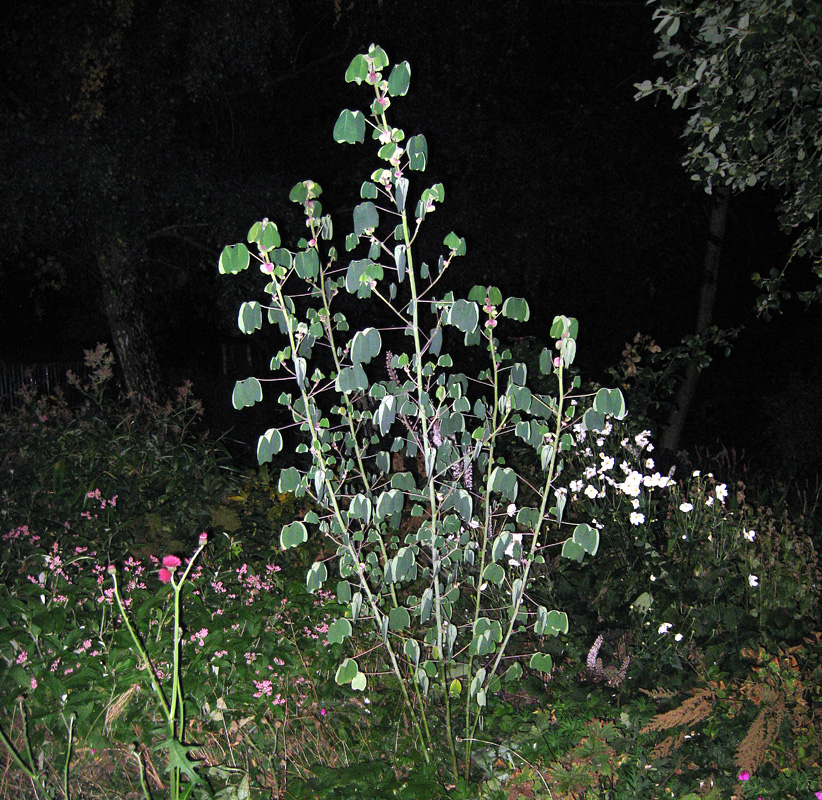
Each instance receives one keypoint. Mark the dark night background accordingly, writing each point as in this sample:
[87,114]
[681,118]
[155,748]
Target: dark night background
[169,128]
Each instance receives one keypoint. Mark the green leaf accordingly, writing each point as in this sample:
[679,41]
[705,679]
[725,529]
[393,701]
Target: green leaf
[343,592]
[265,235]
[268,445]
[504,481]
[351,379]
[399,79]
[464,314]
[346,672]
[289,480]
[360,508]
[550,623]
[593,420]
[339,630]
[399,619]
[570,549]
[307,264]
[389,503]
[292,535]
[456,244]
[366,345]
[366,218]
[541,662]
[357,70]
[246,393]
[304,191]
[385,415]
[611,402]
[250,318]
[178,758]
[358,682]
[350,127]
[233,259]
[516,308]
[587,538]
[316,577]
[412,651]
[454,688]
[360,274]
[417,151]
[494,573]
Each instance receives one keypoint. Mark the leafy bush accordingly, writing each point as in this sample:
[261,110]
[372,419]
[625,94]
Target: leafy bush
[405,465]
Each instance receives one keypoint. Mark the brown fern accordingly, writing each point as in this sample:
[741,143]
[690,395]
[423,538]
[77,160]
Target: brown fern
[696,708]
[750,754]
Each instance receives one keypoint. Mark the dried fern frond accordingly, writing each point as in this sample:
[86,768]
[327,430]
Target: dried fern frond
[664,748]
[761,735]
[689,712]
[660,694]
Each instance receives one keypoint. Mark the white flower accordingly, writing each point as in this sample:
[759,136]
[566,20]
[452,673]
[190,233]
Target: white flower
[678,637]
[721,493]
[649,464]
[696,473]
[686,507]
[575,486]
[653,578]
[641,439]
[634,503]
[637,518]
[709,501]
[631,484]
[590,472]
[511,510]
[753,580]
[607,462]
[590,491]
[749,535]
[665,627]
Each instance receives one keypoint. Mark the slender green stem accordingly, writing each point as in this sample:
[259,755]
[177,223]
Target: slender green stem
[18,760]
[68,757]
[149,666]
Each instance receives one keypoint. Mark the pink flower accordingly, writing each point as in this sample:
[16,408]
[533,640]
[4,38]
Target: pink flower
[322,712]
[171,562]
[203,539]
[744,776]
[818,795]
[164,575]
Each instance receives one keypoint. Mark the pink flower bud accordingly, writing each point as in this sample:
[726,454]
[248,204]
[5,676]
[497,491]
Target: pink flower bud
[203,539]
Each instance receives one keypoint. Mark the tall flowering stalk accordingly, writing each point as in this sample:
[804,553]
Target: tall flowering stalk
[173,711]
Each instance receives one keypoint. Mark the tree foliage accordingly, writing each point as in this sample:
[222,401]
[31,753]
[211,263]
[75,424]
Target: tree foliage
[750,74]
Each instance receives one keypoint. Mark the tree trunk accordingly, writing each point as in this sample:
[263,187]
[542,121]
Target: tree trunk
[122,300]
[672,432]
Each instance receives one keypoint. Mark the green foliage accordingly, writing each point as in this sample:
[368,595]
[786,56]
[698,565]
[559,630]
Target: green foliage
[258,653]
[436,557]
[750,74]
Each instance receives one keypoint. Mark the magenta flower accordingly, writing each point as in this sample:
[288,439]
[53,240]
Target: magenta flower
[171,562]
[164,575]
[818,795]
[203,539]
[744,776]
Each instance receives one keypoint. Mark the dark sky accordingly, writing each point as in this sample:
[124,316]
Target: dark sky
[567,190]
